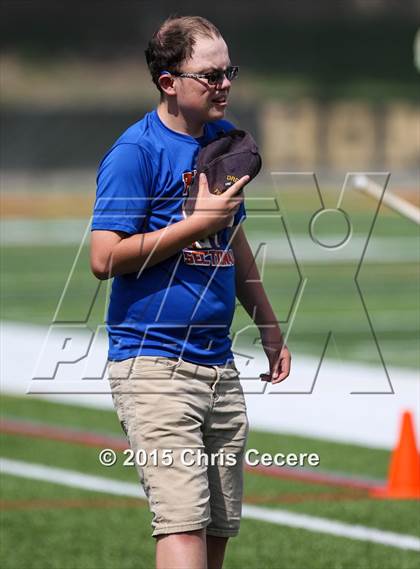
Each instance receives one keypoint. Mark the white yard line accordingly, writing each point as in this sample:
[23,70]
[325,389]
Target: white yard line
[76,479]
[332,527]
[71,478]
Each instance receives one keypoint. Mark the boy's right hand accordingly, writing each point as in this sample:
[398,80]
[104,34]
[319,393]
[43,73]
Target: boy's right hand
[214,212]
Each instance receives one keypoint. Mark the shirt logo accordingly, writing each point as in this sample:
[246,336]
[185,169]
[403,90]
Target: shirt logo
[209,257]
[188,179]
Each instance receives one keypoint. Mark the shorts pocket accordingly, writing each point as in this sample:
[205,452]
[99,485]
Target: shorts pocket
[118,370]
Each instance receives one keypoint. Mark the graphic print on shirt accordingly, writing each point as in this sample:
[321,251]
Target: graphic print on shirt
[188,179]
[208,251]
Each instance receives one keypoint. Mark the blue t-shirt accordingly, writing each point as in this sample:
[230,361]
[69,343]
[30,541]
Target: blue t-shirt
[184,305]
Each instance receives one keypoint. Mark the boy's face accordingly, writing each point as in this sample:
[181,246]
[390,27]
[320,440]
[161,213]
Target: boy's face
[196,99]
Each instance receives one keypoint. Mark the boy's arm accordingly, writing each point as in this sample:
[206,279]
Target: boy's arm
[114,252]
[251,294]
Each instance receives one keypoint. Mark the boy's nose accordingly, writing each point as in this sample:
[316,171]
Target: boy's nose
[225,84]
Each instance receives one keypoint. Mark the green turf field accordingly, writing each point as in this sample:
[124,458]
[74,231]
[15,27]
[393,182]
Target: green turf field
[34,278]
[46,525]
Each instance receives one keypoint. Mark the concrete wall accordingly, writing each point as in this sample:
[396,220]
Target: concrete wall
[347,135]
[305,135]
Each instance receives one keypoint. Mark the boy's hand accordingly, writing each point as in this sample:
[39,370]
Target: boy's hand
[214,212]
[278,355]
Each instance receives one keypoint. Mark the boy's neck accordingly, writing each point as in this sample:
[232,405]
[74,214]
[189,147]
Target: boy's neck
[173,119]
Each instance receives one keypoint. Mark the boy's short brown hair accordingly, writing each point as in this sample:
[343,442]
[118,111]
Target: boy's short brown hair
[173,43]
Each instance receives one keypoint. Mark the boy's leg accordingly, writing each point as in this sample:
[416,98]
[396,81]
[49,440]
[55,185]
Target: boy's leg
[190,550]
[182,550]
[216,547]
[162,405]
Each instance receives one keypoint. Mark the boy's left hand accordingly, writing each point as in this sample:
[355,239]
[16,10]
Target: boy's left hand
[278,355]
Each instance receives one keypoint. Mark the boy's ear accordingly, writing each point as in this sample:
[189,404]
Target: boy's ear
[166,83]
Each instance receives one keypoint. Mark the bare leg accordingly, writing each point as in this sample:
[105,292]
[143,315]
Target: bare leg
[216,551]
[182,550]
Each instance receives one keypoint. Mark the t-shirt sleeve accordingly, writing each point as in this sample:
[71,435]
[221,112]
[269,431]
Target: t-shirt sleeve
[123,190]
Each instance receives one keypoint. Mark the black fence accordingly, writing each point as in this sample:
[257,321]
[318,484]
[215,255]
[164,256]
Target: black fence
[41,140]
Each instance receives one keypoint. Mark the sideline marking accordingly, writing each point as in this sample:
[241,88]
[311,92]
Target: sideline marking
[37,429]
[282,517]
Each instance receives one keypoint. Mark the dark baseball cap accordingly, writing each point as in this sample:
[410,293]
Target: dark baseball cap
[224,160]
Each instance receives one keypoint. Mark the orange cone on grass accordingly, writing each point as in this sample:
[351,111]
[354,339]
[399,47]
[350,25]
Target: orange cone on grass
[404,471]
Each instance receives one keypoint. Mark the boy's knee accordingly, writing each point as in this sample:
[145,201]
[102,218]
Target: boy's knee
[183,536]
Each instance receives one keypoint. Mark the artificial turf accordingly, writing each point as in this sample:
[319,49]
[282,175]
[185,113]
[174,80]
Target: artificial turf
[46,525]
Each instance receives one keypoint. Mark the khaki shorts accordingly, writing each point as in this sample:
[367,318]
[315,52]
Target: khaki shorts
[177,415]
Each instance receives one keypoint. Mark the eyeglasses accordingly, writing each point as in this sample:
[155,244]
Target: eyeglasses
[214,77]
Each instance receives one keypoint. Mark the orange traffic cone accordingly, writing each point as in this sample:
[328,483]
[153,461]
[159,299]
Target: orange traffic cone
[404,470]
